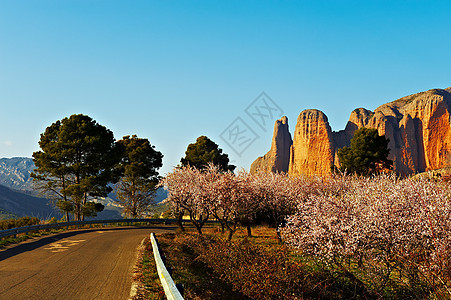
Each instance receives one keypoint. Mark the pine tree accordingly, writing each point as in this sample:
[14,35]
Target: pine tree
[140,162]
[77,161]
[205,151]
[367,154]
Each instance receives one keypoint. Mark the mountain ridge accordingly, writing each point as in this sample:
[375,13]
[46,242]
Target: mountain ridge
[15,173]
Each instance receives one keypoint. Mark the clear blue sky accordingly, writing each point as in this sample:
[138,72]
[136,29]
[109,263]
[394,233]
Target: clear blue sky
[171,71]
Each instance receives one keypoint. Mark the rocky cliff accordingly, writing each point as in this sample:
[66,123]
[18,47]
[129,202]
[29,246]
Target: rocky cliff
[278,157]
[313,149]
[418,127]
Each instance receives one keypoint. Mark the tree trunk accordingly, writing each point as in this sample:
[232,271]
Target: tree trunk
[179,222]
[279,237]
[230,234]
[199,229]
[84,203]
[249,232]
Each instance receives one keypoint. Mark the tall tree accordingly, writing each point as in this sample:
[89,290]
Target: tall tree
[140,163]
[205,151]
[367,155]
[77,161]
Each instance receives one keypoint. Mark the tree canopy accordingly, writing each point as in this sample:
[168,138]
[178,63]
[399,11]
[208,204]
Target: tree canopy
[367,154]
[139,164]
[205,151]
[77,161]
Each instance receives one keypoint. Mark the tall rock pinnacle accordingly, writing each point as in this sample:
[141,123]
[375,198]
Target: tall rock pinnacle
[278,158]
[312,150]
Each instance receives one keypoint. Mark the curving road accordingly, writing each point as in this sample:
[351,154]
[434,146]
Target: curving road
[85,264]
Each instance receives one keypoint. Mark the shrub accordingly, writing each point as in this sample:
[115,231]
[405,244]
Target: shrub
[21,222]
[261,273]
[53,220]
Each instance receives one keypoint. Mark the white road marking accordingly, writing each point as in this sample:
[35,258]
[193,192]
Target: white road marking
[63,245]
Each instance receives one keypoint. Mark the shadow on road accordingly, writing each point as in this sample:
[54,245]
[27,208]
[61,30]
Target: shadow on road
[32,244]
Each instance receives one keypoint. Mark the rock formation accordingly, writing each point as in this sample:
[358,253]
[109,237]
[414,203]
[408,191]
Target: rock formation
[418,127]
[312,150]
[278,158]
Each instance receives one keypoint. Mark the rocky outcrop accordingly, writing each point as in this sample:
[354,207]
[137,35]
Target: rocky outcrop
[278,158]
[418,127]
[312,150]
[15,173]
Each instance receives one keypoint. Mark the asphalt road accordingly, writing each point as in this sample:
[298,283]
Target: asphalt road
[88,264]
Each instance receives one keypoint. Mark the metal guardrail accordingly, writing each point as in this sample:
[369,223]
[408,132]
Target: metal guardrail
[26,229]
[171,291]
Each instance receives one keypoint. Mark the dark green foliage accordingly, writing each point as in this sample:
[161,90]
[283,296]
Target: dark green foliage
[205,151]
[139,165]
[90,209]
[65,206]
[367,155]
[78,161]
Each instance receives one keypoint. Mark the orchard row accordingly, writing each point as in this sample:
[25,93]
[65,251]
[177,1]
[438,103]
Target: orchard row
[380,229]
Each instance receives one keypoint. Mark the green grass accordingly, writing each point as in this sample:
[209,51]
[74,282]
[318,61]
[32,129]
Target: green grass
[149,276]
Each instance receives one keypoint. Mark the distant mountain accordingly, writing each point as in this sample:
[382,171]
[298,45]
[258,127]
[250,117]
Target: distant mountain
[15,173]
[161,195]
[17,195]
[23,205]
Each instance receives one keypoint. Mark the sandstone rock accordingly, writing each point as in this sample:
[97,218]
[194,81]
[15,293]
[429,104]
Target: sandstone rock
[359,118]
[418,127]
[419,130]
[278,158]
[312,150]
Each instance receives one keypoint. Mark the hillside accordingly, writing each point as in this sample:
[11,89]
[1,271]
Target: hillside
[22,204]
